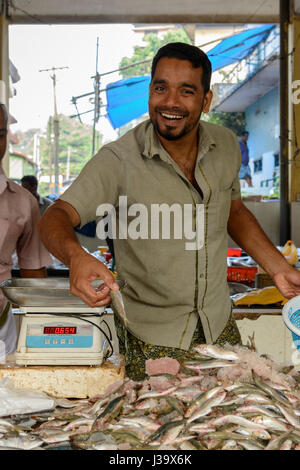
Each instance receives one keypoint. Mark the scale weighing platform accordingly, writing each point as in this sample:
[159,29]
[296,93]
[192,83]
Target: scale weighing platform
[49,337]
[57,328]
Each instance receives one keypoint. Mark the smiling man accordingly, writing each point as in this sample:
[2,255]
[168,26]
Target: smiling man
[174,298]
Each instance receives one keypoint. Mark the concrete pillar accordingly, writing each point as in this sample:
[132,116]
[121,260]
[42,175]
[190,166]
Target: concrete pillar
[4,76]
[294,149]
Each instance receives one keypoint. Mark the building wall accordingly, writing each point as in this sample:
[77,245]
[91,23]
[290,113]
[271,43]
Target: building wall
[262,122]
[268,215]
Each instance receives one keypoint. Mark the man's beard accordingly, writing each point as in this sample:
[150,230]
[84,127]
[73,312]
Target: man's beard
[168,135]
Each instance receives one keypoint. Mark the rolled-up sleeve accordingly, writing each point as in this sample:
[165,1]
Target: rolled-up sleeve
[98,183]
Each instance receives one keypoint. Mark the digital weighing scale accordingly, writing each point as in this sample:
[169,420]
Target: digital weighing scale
[57,327]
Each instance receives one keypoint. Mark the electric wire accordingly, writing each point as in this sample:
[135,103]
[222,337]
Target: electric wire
[92,323]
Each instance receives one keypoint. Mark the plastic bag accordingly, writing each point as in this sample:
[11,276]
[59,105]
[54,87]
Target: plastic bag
[15,401]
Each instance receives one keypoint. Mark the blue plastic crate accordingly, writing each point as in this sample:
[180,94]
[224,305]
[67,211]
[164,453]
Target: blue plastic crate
[291,318]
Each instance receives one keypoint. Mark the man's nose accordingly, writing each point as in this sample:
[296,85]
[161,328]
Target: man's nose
[172,98]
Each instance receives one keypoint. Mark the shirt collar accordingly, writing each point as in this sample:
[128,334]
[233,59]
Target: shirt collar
[5,182]
[153,146]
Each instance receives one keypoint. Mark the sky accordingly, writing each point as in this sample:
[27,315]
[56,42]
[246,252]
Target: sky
[36,47]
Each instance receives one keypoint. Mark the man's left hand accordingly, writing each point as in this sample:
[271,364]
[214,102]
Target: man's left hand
[288,282]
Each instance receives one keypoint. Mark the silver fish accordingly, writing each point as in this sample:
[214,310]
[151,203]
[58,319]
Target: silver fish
[24,443]
[186,445]
[118,304]
[206,408]
[286,445]
[234,419]
[79,422]
[274,444]
[6,424]
[201,428]
[270,423]
[156,394]
[186,394]
[216,352]
[104,446]
[209,365]
[56,436]
[248,445]
[231,445]
[262,410]
[289,416]
[198,402]
[142,421]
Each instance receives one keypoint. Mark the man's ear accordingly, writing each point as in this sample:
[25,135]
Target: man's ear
[207,101]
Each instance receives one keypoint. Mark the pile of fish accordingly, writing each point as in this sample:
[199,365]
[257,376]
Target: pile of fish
[218,398]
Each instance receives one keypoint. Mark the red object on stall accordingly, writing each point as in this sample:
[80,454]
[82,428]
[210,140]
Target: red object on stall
[234,252]
[241,273]
[108,256]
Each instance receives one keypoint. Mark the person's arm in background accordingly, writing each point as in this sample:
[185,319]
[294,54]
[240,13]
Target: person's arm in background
[246,232]
[56,230]
[37,273]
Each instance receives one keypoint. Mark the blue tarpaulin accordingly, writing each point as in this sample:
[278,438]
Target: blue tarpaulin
[237,47]
[128,99]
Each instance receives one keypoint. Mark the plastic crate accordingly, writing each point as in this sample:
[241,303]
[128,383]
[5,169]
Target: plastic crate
[241,273]
[291,318]
[234,252]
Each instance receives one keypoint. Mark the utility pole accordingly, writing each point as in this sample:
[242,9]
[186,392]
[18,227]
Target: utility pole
[56,127]
[96,98]
[68,164]
[285,216]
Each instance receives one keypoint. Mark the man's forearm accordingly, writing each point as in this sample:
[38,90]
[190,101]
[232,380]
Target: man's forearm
[58,235]
[247,233]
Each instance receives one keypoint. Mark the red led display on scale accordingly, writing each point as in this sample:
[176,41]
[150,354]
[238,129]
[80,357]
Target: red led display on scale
[60,330]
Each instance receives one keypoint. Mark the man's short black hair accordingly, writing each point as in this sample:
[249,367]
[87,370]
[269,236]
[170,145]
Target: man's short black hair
[31,180]
[183,51]
[244,133]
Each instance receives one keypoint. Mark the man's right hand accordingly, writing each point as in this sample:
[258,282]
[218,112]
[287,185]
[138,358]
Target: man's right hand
[84,269]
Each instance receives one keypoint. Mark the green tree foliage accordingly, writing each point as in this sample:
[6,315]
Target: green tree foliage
[78,137]
[153,43]
[75,138]
[26,141]
[234,121]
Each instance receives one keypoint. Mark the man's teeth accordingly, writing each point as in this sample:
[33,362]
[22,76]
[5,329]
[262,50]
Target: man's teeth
[171,116]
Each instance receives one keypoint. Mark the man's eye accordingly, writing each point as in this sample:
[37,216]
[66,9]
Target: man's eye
[159,88]
[188,92]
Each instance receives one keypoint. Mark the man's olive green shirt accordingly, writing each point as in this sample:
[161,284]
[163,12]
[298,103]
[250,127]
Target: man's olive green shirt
[168,286]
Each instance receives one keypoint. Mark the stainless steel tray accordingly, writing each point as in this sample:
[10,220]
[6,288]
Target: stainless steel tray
[238,288]
[46,292]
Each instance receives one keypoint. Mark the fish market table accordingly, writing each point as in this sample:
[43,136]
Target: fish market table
[253,313]
[270,333]
[66,381]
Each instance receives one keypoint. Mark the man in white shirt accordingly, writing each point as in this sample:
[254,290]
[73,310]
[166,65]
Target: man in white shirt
[19,215]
